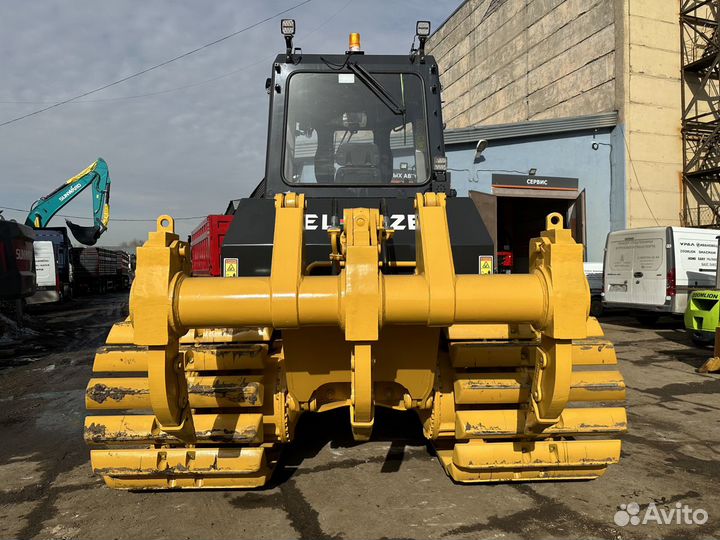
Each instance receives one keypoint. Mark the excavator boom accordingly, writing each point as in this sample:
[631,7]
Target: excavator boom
[45,208]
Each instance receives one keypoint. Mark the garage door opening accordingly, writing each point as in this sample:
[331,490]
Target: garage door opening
[519,220]
[514,219]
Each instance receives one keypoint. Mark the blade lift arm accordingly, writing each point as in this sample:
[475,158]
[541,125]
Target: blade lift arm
[96,176]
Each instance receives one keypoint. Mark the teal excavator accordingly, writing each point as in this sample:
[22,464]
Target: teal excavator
[96,176]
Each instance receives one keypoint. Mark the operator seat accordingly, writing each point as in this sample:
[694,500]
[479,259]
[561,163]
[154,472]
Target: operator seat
[359,164]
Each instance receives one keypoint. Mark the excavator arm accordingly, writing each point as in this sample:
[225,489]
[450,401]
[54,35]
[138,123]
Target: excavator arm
[96,175]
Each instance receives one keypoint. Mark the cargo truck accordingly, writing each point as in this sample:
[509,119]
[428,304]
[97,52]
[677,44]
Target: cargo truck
[17,266]
[123,270]
[205,243]
[52,260]
[99,270]
[17,270]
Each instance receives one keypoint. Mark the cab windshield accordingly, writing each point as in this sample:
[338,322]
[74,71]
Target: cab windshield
[341,131]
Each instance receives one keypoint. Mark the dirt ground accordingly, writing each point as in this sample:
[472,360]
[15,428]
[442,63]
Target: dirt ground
[330,487]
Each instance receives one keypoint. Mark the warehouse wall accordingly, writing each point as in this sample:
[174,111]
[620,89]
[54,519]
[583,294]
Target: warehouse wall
[505,61]
[651,111]
[514,60]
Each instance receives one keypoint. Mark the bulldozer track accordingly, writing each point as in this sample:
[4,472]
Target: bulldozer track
[479,419]
[238,407]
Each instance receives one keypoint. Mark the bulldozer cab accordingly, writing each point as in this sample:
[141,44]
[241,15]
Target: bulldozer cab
[353,130]
[339,132]
[355,125]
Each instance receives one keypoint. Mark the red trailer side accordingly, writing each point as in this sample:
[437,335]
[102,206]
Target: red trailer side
[205,242]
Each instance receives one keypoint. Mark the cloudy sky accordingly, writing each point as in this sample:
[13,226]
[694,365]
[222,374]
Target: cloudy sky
[199,139]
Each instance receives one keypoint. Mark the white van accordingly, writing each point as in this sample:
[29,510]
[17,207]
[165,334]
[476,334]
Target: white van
[654,269]
[46,276]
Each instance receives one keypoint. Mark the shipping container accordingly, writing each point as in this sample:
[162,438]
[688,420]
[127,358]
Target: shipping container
[205,242]
[17,268]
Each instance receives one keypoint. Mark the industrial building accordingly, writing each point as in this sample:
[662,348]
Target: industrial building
[581,103]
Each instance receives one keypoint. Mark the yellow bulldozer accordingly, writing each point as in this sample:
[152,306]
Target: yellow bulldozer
[352,278]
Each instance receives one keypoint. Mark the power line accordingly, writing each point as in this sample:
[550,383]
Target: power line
[185,86]
[148,94]
[153,220]
[156,66]
[156,93]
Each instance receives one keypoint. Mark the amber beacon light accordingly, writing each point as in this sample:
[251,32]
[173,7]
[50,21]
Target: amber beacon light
[354,42]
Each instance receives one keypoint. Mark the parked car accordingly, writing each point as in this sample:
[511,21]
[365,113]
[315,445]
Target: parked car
[594,275]
[652,270]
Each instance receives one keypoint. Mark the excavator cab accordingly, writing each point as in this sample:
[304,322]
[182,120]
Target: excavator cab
[353,279]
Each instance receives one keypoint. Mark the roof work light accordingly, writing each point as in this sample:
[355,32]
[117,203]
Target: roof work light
[422,31]
[287,27]
[422,28]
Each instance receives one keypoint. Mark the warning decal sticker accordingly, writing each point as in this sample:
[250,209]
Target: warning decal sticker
[486,264]
[231,267]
